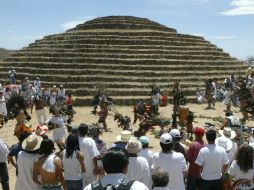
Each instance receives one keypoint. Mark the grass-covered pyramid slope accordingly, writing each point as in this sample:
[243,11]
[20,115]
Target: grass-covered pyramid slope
[126,54]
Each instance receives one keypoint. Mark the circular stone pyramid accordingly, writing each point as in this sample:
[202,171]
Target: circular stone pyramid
[125,54]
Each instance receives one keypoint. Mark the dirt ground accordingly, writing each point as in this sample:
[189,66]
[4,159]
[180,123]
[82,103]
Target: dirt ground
[84,115]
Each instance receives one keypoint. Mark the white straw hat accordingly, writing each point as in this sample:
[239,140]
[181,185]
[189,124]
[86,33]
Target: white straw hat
[224,142]
[125,136]
[32,142]
[227,132]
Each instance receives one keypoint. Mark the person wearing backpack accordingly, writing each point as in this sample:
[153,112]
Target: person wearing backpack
[115,163]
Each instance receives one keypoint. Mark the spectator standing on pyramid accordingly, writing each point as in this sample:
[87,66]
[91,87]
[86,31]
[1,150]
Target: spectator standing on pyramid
[37,84]
[12,74]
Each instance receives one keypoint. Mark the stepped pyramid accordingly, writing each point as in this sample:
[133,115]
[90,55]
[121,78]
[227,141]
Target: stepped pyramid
[126,54]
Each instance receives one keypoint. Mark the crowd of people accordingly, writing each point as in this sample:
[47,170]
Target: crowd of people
[215,160]
[217,163]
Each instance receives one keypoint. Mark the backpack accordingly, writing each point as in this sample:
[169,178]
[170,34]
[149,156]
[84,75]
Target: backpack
[124,185]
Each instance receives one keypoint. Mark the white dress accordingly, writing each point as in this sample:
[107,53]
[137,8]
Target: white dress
[3,109]
[227,99]
[59,134]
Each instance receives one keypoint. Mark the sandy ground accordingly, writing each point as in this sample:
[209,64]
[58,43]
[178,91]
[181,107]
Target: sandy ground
[83,115]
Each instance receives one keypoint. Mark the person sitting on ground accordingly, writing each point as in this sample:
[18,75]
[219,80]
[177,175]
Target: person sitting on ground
[145,152]
[115,163]
[138,168]
[160,179]
[243,167]
[49,167]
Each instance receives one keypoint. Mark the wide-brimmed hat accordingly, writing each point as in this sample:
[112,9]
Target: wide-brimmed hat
[133,146]
[32,142]
[224,142]
[227,132]
[41,130]
[125,136]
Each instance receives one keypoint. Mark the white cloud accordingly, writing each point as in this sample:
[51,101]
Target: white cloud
[242,7]
[175,2]
[215,37]
[199,34]
[27,37]
[72,23]
[222,37]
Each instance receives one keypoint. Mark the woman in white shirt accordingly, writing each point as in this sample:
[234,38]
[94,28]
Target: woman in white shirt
[243,166]
[73,162]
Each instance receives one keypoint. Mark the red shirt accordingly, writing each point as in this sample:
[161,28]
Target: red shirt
[192,155]
[68,101]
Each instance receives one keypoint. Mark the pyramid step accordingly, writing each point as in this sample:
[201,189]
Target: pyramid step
[123,50]
[119,55]
[119,32]
[121,25]
[145,73]
[74,67]
[130,46]
[122,42]
[132,61]
[73,37]
[110,78]
[137,41]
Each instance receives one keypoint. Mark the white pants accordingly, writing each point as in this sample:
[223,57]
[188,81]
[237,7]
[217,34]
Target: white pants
[41,116]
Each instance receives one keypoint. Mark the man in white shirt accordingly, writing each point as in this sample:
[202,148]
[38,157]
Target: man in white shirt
[115,163]
[138,168]
[213,162]
[4,176]
[88,148]
[172,162]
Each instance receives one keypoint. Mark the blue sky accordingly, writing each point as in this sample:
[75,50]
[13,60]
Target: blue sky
[229,24]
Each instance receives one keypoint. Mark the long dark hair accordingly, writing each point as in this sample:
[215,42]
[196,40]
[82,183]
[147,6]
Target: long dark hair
[244,158]
[72,144]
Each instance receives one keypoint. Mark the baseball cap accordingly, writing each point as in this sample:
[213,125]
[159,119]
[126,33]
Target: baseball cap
[199,131]
[144,140]
[175,133]
[166,138]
